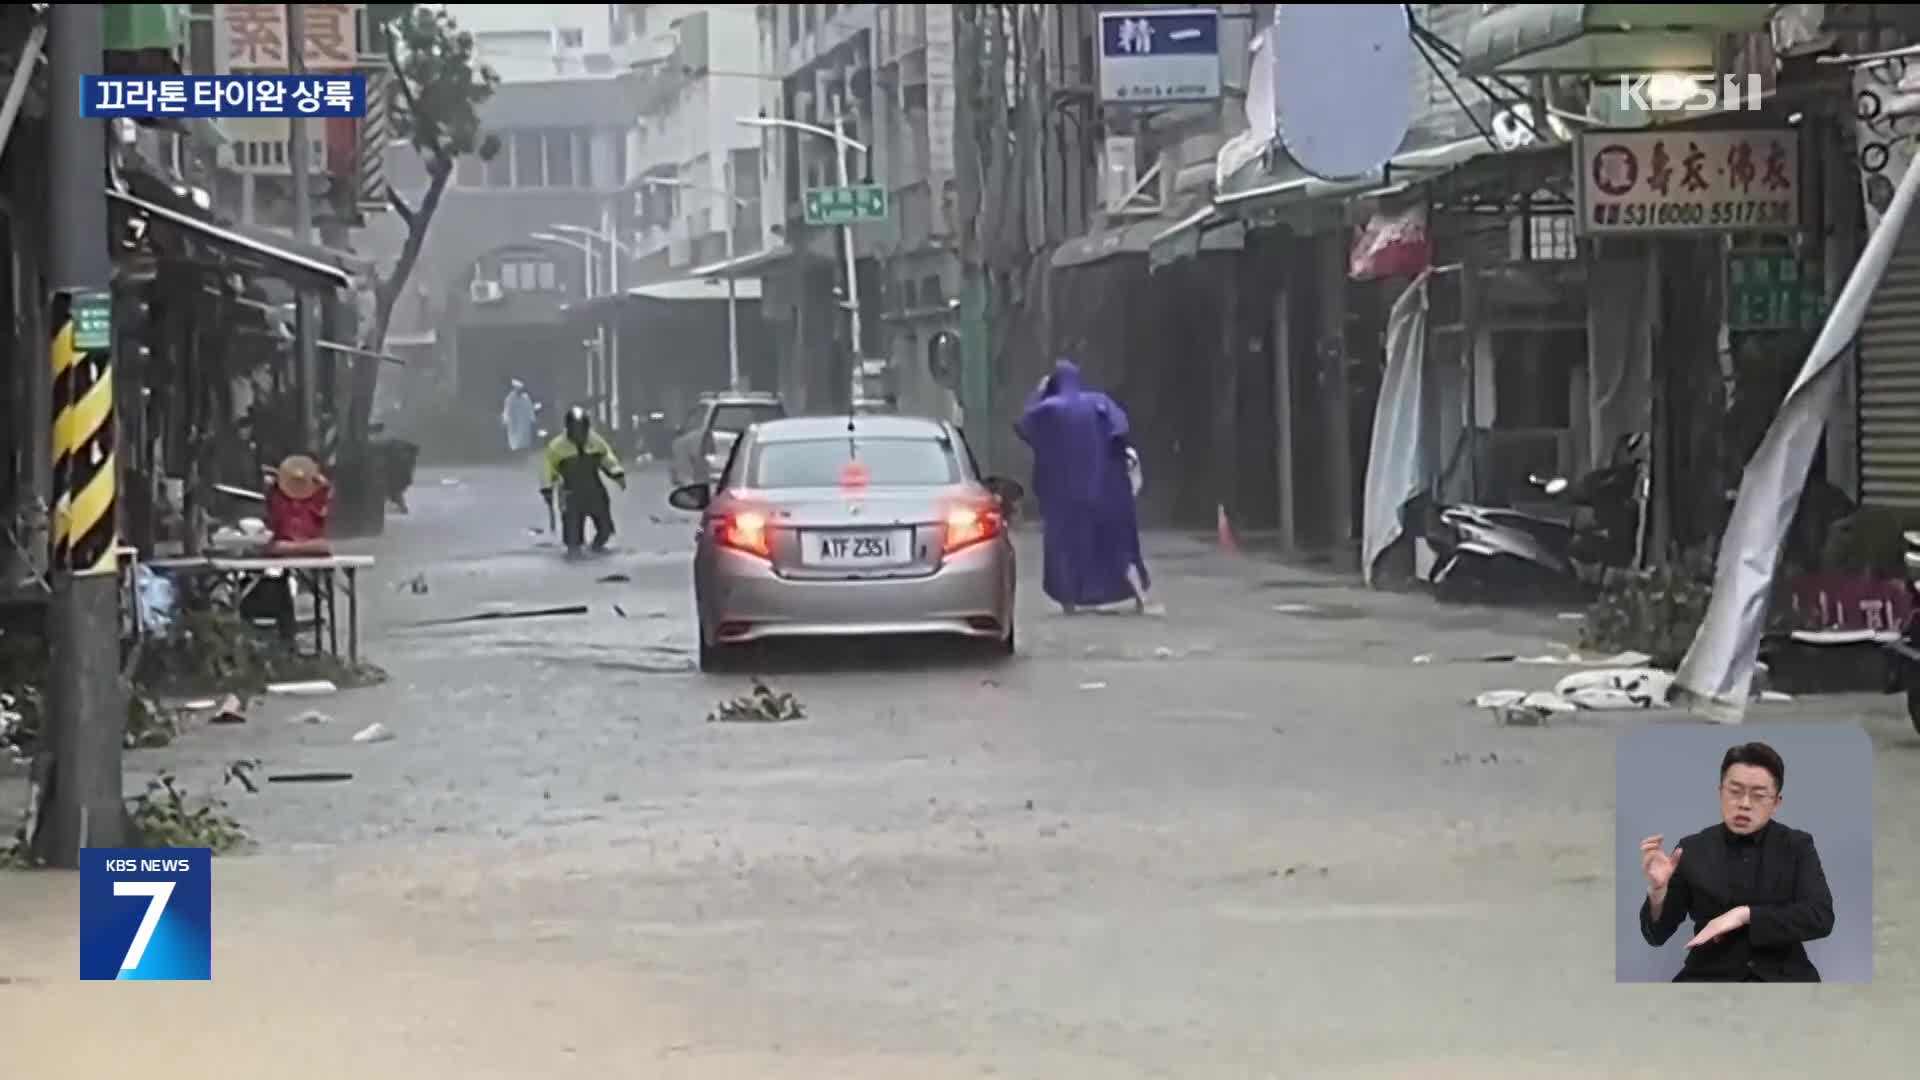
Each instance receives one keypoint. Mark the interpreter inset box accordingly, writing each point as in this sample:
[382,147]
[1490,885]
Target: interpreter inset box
[1743,853]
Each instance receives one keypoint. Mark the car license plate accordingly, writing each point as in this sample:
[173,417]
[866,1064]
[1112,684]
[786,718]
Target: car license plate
[858,549]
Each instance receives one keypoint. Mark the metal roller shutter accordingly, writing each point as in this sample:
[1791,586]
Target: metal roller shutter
[1890,383]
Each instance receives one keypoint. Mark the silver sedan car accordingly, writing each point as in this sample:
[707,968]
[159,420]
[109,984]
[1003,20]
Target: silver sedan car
[851,526]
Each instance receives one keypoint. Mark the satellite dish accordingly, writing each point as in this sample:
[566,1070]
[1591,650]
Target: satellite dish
[1343,85]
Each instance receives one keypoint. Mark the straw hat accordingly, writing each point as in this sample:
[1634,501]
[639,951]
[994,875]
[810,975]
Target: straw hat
[299,476]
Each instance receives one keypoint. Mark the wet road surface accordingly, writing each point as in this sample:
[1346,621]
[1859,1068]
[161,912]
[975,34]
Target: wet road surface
[1247,838]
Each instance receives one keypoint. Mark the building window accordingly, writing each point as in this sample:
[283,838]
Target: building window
[745,166]
[813,17]
[529,163]
[560,159]
[572,37]
[500,170]
[793,23]
[528,276]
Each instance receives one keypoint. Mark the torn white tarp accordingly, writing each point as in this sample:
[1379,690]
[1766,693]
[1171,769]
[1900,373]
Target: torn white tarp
[1717,674]
[1395,468]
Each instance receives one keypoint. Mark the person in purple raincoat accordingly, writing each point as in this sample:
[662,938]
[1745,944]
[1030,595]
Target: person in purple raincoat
[1080,439]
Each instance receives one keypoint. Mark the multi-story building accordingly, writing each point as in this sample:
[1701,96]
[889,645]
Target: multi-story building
[508,251]
[885,73]
[532,42]
[695,170]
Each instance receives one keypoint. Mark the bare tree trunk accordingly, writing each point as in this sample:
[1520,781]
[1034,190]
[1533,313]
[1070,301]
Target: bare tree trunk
[366,369]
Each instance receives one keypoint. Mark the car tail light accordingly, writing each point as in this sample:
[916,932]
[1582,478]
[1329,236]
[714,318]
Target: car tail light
[853,475]
[744,530]
[970,525]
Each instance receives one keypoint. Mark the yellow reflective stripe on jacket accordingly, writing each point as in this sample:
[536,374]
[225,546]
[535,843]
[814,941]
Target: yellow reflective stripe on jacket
[562,449]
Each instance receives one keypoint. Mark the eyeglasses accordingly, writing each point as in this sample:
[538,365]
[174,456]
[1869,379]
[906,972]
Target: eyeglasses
[1735,793]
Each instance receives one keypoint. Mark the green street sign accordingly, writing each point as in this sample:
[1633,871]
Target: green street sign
[92,321]
[846,205]
[1774,290]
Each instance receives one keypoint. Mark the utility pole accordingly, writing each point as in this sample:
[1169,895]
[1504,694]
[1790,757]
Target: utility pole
[975,328]
[84,803]
[304,321]
[846,242]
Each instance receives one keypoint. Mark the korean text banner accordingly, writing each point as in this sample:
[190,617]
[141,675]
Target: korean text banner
[147,97]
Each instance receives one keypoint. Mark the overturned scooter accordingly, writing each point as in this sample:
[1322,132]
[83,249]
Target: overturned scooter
[1484,553]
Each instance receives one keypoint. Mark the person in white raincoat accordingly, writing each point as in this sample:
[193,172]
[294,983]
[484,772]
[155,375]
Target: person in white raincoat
[517,417]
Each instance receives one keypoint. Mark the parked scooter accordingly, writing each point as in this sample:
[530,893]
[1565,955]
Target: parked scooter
[1906,651]
[1484,552]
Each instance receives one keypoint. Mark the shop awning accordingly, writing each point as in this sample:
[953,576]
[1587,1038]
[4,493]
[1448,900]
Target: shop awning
[1605,39]
[1408,166]
[246,246]
[1136,238]
[1206,229]
[684,289]
[739,266]
[698,288]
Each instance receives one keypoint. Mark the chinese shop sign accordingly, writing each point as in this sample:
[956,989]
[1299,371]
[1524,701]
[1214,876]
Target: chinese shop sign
[1634,183]
[1774,290]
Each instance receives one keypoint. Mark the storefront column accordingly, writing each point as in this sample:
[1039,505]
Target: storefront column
[1283,358]
[1330,264]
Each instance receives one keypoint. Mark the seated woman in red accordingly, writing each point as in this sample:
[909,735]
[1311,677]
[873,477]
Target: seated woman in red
[298,501]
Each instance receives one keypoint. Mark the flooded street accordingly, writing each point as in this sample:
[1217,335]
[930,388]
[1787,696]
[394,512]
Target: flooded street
[1227,841]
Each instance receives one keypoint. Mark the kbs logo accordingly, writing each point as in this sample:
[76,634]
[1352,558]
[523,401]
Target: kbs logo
[146,914]
[1687,93]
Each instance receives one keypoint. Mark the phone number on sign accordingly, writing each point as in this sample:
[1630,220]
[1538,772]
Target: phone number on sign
[1697,214]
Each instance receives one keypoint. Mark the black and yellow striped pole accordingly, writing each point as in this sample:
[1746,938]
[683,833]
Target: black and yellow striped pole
[87,720]
[85,472]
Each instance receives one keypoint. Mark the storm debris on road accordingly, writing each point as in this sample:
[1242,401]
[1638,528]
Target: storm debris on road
[313,716]
[492,616]
[229,710]
[763,705]
[616,579]
[373,733]
[310,778]
[306,688]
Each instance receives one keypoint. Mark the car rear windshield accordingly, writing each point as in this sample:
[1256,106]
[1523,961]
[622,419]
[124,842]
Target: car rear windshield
[826,462]
[736,418]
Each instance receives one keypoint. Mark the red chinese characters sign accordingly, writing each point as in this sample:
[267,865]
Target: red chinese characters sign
[253,37]
[1638,182]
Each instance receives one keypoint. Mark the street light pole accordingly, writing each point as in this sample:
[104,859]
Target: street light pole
[846,236]
[587,270]
[733,293]
[610,329]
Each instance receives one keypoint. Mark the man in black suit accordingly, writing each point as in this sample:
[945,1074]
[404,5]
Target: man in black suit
[1752,885]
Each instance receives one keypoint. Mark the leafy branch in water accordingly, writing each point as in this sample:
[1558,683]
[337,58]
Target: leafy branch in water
[166,816]
[762,706]
[220,652]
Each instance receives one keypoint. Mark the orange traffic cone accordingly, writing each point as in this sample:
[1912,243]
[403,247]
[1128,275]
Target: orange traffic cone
[1223,530]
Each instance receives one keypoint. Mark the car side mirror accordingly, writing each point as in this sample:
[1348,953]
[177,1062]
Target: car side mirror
[691,497]
[1007,491]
